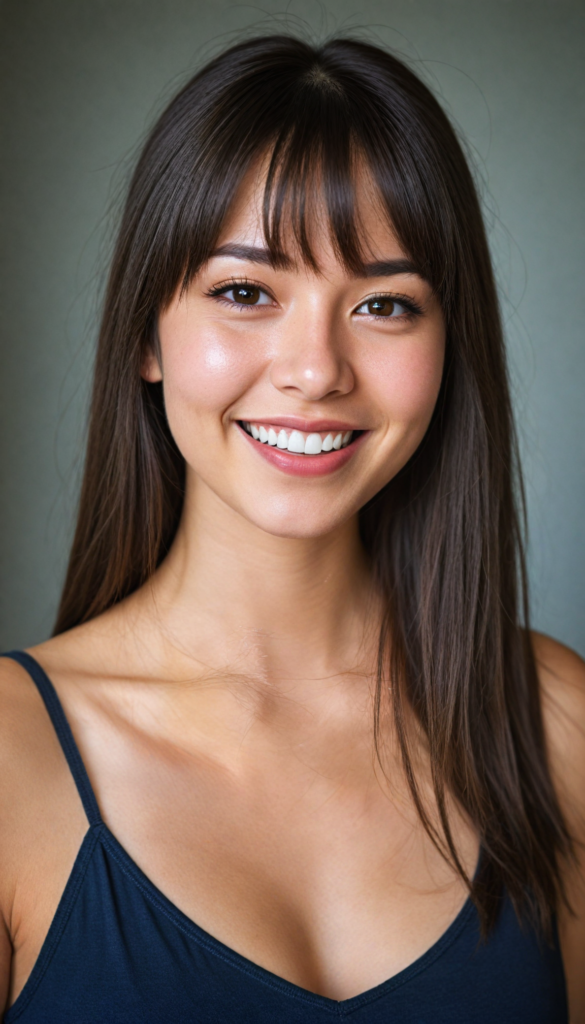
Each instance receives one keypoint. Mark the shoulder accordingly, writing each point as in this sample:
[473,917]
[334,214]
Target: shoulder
[26,759]
[36,791]
[41,821]
[561,674]
[30,754]
[562,682]
[558,664]
[25,733]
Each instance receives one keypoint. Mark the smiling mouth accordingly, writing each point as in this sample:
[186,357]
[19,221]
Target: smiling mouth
[298,442]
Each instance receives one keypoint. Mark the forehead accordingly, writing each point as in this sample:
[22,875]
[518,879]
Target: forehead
[245,221]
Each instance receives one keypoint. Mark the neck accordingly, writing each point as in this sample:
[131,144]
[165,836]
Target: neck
[277,609]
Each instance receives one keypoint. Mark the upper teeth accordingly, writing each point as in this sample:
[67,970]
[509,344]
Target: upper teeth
[297,441]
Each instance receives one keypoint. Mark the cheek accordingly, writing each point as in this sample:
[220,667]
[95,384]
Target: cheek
[204,372]
[407,379]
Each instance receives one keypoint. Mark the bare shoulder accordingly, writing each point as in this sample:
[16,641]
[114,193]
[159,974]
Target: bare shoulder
[562,679]
[558,664]
[41,823]
[25,734]
[30,755]
[36,791]
[26,759]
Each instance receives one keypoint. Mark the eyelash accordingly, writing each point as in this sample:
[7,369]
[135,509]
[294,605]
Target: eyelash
[412,308]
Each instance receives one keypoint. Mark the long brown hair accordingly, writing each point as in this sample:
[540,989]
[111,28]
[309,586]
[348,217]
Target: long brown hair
[444,535]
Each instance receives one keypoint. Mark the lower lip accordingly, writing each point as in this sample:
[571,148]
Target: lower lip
[305,465]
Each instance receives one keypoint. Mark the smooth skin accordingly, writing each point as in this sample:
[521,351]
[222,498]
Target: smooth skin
[224,711]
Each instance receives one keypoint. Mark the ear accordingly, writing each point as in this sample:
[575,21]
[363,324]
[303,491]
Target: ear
[150,369]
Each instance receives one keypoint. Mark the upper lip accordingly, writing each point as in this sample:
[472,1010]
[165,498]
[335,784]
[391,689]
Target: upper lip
[298,423]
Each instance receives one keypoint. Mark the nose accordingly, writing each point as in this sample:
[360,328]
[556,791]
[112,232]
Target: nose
[310,359]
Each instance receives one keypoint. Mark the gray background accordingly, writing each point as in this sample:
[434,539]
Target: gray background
[81,80]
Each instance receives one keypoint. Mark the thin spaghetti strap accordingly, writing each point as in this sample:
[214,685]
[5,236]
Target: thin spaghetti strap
[63,730]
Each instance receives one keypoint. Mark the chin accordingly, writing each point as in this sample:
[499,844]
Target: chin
[298,520]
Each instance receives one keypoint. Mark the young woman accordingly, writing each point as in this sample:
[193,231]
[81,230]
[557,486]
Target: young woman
[292,752]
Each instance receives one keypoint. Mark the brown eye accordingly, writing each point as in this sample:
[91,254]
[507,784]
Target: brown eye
[381,307]
[246,294]
[242,294]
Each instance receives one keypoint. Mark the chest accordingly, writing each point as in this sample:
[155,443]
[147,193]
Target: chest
[303,859]
[323,880]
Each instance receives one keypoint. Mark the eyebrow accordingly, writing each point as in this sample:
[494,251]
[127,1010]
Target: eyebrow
[259,254]
[252,254]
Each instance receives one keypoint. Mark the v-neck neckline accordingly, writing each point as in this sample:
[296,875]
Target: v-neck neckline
[204,938]
[99,830]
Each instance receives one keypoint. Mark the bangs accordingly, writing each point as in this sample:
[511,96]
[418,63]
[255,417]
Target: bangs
[333,133]
[313,182]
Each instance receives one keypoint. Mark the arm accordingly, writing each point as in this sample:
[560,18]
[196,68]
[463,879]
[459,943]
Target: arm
[13,709]
[562,678]
[7,830]
[5,961]
[41,822]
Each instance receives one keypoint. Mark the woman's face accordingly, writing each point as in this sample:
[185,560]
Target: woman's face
[295,396]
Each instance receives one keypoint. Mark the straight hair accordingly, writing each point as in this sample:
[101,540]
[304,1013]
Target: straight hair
[445,534]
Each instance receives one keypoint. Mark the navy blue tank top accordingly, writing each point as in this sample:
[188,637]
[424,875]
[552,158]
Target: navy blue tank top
[119,952]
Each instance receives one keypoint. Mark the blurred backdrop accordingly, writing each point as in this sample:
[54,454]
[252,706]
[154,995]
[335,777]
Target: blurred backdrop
[81,81]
